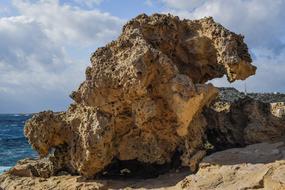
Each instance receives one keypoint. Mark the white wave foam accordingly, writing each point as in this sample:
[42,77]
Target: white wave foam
[4,168]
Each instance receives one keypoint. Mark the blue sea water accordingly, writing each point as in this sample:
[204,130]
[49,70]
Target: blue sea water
[13,144]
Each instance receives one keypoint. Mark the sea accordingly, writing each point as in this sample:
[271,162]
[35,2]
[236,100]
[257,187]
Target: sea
[13,144]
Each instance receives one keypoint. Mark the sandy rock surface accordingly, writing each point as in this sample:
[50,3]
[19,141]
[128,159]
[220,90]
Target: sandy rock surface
[258,166]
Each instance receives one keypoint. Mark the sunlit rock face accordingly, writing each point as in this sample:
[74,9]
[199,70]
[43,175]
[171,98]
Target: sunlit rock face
[143,96]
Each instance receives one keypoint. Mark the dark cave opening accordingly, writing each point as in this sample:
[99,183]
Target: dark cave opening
[134,169]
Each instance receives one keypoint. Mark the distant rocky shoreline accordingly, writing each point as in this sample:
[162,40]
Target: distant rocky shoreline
[231,94]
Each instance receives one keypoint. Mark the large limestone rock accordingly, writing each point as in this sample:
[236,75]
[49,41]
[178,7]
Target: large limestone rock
[143,96]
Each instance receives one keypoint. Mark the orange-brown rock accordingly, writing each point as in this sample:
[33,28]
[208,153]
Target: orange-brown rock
[143,96]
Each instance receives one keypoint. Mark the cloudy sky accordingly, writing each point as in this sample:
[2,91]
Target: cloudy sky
[45,45]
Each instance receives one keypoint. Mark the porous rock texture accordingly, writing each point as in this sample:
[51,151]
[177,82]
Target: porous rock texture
[143,96]
[237,119]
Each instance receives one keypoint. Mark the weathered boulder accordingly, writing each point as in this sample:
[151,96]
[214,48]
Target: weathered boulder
[33,168]
[236,119]
[143,96]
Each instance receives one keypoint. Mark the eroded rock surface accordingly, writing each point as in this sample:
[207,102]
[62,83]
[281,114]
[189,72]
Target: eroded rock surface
[236,119]
[143,96]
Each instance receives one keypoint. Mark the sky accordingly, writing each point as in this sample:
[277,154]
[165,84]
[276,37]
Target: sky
[45,45]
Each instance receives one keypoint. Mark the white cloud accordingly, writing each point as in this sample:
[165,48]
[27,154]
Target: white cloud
[67,24]
[31,65]
[37,65]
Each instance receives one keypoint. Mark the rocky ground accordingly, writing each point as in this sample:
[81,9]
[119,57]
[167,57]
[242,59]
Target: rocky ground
[259,166]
